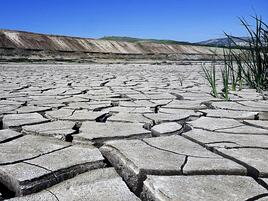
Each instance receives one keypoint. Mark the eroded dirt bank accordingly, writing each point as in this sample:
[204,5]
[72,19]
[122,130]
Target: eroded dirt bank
[26,46]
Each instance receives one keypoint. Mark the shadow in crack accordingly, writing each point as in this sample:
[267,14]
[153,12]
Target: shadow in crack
[6,193]
[103,118]
[258,197]
[1,123]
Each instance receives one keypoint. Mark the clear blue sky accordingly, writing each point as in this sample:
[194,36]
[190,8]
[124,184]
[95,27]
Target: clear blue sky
[185,20]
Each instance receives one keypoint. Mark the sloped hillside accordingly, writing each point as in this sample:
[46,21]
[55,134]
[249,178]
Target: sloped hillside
[31,45]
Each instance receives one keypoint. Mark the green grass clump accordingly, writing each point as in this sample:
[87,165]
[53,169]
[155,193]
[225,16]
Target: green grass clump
[210,75]
[244,64]
[225,74]
[252,61]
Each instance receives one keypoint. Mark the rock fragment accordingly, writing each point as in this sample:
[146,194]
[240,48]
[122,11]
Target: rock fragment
[226,126]
[185,104]
[205,187]
[34,163]
[74,115]
[215,139]
[165,117]
[95,185]
[17,120]
[231,114]
[129,117]
[31,109]
[58,129]
[173,155]
[237,106]
[7,135]
[251,151]
[167,129]
[101,132]
[257,123]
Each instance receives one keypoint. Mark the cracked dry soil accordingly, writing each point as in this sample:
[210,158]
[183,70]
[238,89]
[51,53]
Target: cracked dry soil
[128,132]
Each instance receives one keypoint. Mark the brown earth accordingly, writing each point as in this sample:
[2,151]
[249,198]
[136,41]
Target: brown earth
[21,46]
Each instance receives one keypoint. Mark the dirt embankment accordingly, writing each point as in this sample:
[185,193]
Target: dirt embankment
[17,45]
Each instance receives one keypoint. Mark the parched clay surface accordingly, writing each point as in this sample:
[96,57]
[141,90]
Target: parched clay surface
[195,188]
[33,165]
[128,132]
[96,185]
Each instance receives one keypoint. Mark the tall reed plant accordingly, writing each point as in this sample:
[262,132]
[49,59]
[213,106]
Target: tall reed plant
[225,74]
[210,76]
[252,59]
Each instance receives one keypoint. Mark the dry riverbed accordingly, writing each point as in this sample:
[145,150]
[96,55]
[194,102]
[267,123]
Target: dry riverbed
[128,132]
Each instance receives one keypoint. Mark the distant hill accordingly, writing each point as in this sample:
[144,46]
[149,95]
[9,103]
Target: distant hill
[225,41]
[134,40]
[219,42]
